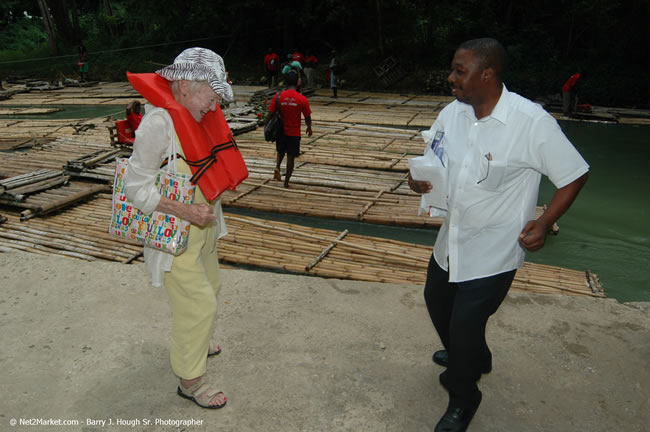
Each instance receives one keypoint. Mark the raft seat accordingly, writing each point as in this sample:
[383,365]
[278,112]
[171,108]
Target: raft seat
[121,134]
[125,134]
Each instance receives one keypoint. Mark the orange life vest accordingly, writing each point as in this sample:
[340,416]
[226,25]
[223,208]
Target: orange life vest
[209,146]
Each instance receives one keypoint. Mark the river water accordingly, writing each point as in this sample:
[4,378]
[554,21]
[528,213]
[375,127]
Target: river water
[607,229]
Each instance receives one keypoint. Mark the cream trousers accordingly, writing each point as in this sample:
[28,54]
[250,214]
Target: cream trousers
[193,285]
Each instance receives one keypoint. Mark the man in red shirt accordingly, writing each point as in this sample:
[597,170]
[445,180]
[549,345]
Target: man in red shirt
[292,105]
[271,66]
[569,93]
[311,61]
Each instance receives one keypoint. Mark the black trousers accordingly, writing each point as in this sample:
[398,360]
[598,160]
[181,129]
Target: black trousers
[459,312]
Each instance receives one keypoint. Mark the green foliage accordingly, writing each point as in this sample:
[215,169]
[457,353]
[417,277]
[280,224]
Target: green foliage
[23,34]
[546,40]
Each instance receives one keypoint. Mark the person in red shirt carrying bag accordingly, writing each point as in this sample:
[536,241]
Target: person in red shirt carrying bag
[292,105]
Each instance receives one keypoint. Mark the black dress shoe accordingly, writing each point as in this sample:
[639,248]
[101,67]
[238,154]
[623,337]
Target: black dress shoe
[443,380]
[442,358]
[457,419]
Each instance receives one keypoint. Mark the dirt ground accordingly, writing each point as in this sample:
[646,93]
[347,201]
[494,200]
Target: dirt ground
[86,343]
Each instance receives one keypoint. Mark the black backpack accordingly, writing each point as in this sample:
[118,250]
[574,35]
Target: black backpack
[274,127]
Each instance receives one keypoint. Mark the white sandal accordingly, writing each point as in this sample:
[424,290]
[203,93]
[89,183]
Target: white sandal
[201,394]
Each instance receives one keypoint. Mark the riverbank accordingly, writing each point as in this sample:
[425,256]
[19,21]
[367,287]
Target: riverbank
[307,354]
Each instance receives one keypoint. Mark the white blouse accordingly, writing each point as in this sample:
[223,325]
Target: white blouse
[155,140]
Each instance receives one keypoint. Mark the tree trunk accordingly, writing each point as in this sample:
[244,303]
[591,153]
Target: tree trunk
[76,30]
[107,6]
[49,26]
[62,20]
[569,41]
[380,29]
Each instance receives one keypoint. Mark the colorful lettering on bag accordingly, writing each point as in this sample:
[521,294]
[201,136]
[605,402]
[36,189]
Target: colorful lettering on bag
[158,230]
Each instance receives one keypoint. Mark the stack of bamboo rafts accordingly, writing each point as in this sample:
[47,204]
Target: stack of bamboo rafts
[15,189]
[55,198]
[80,232]
[98,165]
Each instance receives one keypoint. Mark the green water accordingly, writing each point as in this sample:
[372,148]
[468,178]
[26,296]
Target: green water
[606,229]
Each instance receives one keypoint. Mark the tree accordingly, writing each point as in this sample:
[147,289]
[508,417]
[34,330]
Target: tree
[59,11]
[49,26]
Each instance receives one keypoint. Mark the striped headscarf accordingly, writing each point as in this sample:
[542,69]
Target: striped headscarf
[200,64]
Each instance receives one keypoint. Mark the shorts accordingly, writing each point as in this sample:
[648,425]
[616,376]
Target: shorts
[333,80]
[289,145]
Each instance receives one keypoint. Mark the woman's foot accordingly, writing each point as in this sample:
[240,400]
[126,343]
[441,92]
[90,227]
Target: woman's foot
[213,350]
[201,393]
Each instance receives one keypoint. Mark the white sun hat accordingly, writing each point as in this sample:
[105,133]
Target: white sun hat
[200,64]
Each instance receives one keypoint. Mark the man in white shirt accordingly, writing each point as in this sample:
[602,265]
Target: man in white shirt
[497,144]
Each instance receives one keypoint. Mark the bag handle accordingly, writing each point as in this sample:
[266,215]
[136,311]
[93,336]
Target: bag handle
[172,155]
[277,104]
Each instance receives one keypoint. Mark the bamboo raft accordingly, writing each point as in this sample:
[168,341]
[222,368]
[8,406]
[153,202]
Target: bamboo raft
[383,199]
[80,232]
[319,252]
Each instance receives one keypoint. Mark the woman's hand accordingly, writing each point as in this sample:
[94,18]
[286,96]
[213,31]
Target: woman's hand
[200,214]
[197,214]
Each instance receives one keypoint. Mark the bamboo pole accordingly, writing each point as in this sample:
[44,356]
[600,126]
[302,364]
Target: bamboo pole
[20,193]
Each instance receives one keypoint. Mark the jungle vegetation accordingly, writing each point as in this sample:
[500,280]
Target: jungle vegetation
[546,40]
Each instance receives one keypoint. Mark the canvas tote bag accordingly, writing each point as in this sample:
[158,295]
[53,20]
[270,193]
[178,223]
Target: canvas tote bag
[158,230]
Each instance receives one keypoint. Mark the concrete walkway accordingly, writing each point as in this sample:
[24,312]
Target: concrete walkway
[87,342]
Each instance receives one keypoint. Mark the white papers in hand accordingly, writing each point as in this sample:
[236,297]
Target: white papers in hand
[430,168]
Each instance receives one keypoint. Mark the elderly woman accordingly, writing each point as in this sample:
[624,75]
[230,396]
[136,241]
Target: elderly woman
[198,82]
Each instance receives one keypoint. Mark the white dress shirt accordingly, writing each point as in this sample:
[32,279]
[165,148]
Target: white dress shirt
[494,168]
[156,139]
